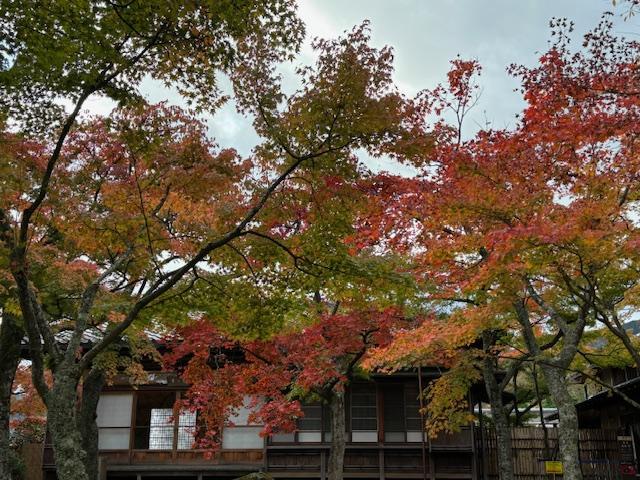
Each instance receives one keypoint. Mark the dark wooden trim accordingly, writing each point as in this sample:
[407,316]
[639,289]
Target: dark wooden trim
[132,428]
[176,425]
[381,464]
[380,412]
[144,388]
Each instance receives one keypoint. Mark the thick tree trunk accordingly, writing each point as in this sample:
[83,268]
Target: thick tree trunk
[10,338]
[91,388]
[568,422]
[500,420]
[62,423]
[547,449]
[335,465]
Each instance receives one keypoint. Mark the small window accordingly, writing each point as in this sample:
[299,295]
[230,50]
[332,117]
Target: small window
[186,430]
[113,418]
[310,425]
[312,419]
[364,420]
[154,426]
[412,408]
[394,413]
[161,429]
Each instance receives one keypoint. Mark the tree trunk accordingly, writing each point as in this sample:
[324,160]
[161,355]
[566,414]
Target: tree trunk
[10,338]
[335,465]
[91,388]
[68,450]
[547,449]
[568,422]
[500,420]
[554,371]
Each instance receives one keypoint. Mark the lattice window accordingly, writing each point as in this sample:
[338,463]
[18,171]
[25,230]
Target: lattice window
[363,407]
[312,419]
[412,408]
[161,429]
[186,430]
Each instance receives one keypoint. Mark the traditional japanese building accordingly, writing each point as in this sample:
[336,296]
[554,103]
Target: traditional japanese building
[139,441]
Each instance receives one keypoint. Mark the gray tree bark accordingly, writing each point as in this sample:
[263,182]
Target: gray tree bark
[91,388]
[10,338]
[554,371]
[500,420]
[335,465]
[567,424]
[62,422]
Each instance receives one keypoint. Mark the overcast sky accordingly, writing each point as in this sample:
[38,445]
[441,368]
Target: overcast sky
[425,35]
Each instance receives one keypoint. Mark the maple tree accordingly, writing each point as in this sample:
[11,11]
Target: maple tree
[71,51]
[144,207]
[66,53]
[278,373]
[529,231]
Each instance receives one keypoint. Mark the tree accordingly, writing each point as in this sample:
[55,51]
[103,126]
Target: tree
[143,206]
[528,230]
[70,51]
[423,218]
[316,363]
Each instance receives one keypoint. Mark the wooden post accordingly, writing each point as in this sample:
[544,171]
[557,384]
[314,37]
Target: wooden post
[380,412]
[515,401]
[474,462]
[132,425]
[323,464]
[485,466]
[102,469]
[422,432]
[176,422]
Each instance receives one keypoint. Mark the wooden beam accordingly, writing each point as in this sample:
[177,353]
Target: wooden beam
[132,426]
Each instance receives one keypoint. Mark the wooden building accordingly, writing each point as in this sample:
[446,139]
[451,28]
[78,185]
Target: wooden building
[138,440]
[607,411]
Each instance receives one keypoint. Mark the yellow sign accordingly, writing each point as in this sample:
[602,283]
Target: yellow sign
[553,467]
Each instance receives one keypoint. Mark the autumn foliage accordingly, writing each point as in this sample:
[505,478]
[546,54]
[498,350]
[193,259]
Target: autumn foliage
[529,231]
[277,373]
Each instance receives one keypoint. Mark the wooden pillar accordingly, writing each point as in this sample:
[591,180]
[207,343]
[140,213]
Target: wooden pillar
[102,469]
[132,426]
[176,422]
[432,465]
[474,458]
[265,453]
[483,443]
[380,412]
[422,424]
[381,463]
[323,464]
[380,421]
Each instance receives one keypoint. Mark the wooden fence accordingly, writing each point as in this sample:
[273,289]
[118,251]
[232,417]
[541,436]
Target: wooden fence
[599,453]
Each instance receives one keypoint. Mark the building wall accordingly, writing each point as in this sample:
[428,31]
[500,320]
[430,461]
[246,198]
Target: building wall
[137,437]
